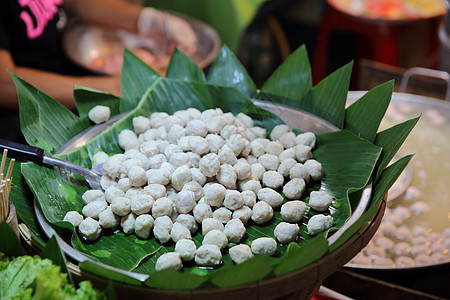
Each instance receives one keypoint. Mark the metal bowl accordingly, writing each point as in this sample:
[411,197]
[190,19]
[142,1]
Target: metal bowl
[428,170]
[84,44]
[292,117]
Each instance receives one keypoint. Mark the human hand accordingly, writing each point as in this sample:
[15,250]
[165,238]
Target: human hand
[167,31]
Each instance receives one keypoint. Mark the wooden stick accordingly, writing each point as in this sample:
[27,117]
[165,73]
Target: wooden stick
[10,168]
[2,166]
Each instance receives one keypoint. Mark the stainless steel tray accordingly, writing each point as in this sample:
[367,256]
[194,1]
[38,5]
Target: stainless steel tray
[293,118]
[429,141]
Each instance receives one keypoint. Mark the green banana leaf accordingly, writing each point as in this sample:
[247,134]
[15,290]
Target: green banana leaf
[349,160]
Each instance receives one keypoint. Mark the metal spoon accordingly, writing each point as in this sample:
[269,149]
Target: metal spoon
[37,155]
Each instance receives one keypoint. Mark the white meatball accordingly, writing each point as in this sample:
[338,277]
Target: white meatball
[262,212]
[92,209]
[287,139]
[158,118]
[202,211]
[269,161]
[288,153]
[175,133]
[106,181]
[108,220]
[226,155]
[180,176]
[258,170]
[171,121]
[278,131]
[184,202]
[128,140]
[233,200]
[274,148]
[209,224]
[186,248]
[285,166]
[294,188]
[245,120]
[273,179]
[264,246]
[99,158]
[124,184]
[209,165]
[149,148]
[227,176]
[252,185]
[141,204]
[188,221]
[75,218]
[270,196]
[143,226]
[234,230]
[93,195]
[299,171]
[249,198]
[215,125]
[198,176]
[222,214]
[215,142]
[320,200]
[319,223]
[90,229]
[236,143]
[170,260]
[99,114]
[134,191]
[285,232]
[162,207]
[159,176]
[240,253]
[208,256]
[113,192]
[184,116]
[196,128]
[307,139]
[141,124]
[198,145]
[121,206]
[215,237]
[179,232]
[314,169]
[162,228]
[227,131]
[155,190]
[171,149]
[293,211]
[194,187]
[214,194]
[137,176]
[302,153]
[243,170]
[194,159]
[258,149]
[127,223]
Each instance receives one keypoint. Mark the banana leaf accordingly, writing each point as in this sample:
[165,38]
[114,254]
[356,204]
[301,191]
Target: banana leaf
[349,163]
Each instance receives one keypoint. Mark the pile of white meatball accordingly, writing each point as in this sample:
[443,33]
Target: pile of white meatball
[207,169]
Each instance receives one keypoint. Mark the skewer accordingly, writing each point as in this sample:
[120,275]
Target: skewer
[5,186]
[2,166]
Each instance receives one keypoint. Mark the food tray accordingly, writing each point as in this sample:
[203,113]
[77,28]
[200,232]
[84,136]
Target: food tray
[334,260]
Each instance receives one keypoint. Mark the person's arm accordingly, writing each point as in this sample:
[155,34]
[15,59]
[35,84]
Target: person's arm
[116,14]
[57,86]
